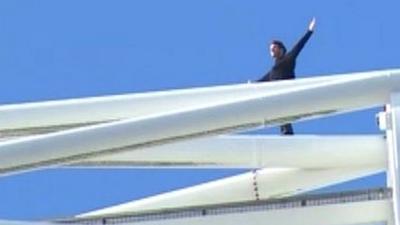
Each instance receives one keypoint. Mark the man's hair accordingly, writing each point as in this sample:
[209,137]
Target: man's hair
[280,44]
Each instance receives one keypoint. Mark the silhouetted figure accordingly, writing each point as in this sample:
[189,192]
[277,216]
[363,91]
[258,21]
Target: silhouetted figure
[285,64]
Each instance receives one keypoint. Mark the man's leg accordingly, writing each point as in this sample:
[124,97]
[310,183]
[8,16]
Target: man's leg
[287,129]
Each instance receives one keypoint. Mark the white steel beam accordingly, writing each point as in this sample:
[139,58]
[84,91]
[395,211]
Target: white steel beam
[302,101]
[255,151]
[11,222]
[393,141]
[109,108]
[254,185]
[359,213]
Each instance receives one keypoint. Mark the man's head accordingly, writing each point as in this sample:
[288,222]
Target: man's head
[277,49]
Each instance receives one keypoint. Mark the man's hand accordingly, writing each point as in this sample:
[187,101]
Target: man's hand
[311,27]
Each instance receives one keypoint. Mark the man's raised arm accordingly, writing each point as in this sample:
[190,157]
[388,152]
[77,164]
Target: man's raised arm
[300,44]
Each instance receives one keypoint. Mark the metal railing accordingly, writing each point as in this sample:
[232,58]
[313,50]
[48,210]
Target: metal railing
[238,207]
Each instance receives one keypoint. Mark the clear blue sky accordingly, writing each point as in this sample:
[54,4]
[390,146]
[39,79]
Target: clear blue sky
[76,48]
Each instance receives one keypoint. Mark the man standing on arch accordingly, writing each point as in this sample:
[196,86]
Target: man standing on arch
[285,64]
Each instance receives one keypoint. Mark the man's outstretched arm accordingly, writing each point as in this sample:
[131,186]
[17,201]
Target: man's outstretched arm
[300,44]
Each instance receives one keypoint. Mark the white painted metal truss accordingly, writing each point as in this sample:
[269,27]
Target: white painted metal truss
[350,207]
[192,128]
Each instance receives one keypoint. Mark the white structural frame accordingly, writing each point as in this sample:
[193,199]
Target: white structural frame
[157,131]
[392,119]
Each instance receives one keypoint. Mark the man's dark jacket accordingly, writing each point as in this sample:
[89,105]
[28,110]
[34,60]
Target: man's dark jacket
[284,66]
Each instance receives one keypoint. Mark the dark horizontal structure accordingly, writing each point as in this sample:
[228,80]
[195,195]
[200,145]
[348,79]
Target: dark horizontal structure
[310,200]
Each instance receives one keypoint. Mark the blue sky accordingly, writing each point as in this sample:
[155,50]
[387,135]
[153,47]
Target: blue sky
[66,49]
